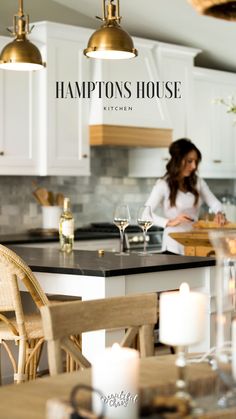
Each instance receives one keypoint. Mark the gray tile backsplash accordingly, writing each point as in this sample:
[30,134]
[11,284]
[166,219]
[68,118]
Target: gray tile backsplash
[93,197]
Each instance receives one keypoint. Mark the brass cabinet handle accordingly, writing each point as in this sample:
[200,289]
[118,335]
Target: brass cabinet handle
[85,156]
[217,161]
[1,153]
[165,158]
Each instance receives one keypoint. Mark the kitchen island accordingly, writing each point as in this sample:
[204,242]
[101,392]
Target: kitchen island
[91,275]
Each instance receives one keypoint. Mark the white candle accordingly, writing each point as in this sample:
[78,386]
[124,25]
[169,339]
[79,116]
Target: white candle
[234,349]
[182,317]
[115,374]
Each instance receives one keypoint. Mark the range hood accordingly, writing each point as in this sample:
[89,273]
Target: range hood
[124,111]
[129,136]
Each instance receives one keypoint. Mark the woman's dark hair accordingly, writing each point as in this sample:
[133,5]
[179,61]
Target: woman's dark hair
[178,151]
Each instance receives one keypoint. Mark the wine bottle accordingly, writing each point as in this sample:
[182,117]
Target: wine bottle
[66,228]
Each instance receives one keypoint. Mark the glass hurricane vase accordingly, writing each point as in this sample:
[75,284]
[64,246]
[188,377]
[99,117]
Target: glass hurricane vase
[224,243]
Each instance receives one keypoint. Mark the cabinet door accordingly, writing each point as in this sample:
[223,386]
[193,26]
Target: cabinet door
[17,137]
[214,130]
[66,118]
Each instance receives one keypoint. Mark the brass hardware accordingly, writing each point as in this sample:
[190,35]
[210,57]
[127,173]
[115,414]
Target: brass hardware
[217,161]
[110,41]
[165,158]
[21,54]
[1,153]
[85,156]
[101,252]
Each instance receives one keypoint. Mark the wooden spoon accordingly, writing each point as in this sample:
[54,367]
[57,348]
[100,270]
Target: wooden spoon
[51,197]
[60,199]
[42,196]
[37,198]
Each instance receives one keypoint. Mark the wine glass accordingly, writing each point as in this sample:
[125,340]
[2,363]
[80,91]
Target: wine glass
[144,220]
[121,220]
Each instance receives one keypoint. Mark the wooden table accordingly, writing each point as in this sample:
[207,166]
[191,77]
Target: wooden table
[157,376]
[195,242]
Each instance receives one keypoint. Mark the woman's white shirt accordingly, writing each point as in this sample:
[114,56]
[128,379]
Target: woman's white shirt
[184,203]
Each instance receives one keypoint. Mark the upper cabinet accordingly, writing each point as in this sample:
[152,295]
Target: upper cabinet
[18,148]
[41,131]
[214,129]
[62,126]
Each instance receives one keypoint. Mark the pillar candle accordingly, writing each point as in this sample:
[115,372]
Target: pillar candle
[115,374]
[234,349]
[182,317]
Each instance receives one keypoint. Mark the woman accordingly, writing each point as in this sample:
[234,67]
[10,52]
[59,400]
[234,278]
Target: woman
[180,193]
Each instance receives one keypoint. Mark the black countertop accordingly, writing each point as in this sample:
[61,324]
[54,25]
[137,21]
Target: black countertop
[81,262]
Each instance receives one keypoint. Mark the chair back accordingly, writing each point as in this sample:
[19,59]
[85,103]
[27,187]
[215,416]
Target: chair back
[137,314]
[8,293]
[11,265]
[26,331]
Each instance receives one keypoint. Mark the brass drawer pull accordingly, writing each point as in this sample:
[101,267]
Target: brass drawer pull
[1,153]
[85,156]
[217,161]
[165,158]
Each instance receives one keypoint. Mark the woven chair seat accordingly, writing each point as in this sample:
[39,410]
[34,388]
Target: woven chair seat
[33,325]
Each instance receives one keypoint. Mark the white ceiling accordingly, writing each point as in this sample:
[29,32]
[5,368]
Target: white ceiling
[173,21]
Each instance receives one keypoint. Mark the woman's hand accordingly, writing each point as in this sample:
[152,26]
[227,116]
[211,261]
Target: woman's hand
[182,218]
[220,218]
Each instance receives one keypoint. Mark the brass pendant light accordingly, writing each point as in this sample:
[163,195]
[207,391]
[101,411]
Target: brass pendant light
[21,54]
[110,41]
[222,9]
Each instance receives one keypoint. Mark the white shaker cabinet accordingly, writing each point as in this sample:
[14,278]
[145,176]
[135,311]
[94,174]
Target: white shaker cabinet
[172,63]
[63,137]
[214,129]
[40,134]
[18,148]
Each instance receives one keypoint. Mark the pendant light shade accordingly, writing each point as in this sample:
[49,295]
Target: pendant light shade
[110,41]
[21,54]
[222,9]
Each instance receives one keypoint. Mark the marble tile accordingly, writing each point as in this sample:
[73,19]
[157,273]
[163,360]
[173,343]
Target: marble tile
[93,197]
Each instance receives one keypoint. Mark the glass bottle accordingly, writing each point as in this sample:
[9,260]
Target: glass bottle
[66,228]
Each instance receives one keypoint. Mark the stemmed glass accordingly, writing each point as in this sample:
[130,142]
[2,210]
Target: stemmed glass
[144,220]
[121,220]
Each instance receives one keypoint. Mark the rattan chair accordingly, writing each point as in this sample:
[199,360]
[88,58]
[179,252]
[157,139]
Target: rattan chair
[137,314]
[25,330]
